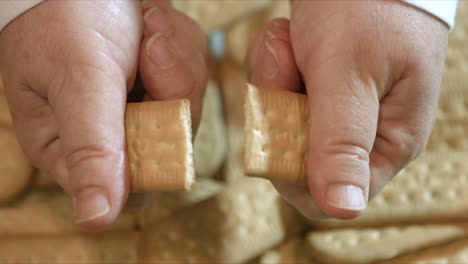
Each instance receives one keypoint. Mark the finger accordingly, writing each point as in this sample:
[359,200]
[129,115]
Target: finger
[343,111]
[172,58]
[271,61]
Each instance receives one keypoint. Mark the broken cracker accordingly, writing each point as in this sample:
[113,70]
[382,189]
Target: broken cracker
[276,135]
[376,244]
[159,142]
[291,251]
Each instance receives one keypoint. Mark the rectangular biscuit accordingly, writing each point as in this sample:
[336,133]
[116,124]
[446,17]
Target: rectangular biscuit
[46,212]
[455,252]
[233,226]
[431,189]
[276,134]
[371,245]
[159,142]
[449,135]
[70,248]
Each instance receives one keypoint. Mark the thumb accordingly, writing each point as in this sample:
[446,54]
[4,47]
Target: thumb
[343,113]
[89,111]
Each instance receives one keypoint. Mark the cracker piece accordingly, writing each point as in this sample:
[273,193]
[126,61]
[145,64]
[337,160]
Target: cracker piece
[212,15]
[70,248]
[234,226]
[43,180]
[209,150]
[166,204]
[46,212]
[372,244]
[159,141]
[233,90]
[276,134]
[291,251]
[455,252]
[431,189]
[15,169]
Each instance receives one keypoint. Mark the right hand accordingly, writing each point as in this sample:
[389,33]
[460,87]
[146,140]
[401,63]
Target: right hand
[68,66]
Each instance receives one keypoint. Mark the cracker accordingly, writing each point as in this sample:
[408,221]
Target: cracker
[15,168]
[46,212]
[233,90]
[166,204]
[72,248]
[431,189]
[455,252]
[210,142]
[234,226]
[372,244]
[43,180]
[212,15]
[159,145]
[291,251]
[453,102]
[276,135]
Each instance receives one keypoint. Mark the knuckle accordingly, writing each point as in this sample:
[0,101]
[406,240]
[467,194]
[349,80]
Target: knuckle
[86,153]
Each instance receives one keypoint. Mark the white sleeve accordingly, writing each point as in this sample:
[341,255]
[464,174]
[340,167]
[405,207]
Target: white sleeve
[445,10]
[11,9]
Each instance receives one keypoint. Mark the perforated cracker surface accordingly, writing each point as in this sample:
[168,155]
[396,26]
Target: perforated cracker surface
[159,145]
[371,245]
[276,134]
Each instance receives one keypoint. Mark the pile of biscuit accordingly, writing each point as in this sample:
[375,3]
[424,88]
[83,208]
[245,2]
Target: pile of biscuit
[420,217]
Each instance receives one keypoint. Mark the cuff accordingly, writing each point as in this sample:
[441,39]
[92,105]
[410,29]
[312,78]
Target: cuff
[445,10]
[11,9]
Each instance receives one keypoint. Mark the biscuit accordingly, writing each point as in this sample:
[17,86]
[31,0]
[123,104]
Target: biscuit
[457,53]
[373,244]
[276,135]
[455,252]
[209,148]
[46,212]
[431,189]
[15,168]
[159,145]
[233,226]
[70,248]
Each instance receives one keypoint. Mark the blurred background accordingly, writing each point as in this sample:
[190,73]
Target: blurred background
[420,217]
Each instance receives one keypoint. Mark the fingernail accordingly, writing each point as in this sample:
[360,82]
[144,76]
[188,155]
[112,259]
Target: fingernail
[349,197]
[160,51]
[149,12]
[90,204]
[270,34]
[271,61]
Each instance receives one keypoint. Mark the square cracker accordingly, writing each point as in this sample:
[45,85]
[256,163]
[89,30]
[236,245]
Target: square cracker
[159,142]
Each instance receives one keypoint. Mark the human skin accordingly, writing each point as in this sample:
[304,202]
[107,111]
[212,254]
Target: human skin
[67,68]
[372,71]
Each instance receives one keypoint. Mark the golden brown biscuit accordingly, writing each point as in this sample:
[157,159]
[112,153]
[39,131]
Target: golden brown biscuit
[159,142]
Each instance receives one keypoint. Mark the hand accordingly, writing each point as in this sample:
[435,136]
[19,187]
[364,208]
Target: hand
[372,70]
[67,68]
